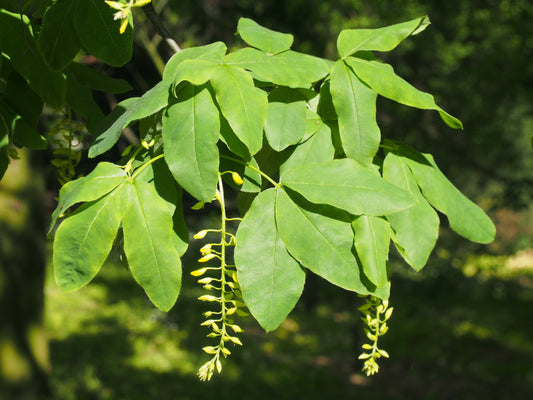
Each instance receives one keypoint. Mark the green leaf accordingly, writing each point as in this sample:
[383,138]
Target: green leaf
[195,71]
[23,100]
[127,111]
[383,80]
[190,136]
[465,217]
[289,68]
[415,229]
[158,174]
[347,185]
[321,239]
[286,118]
[80,98]
[372,239]
[19,43]
[355,106]
[269,41]
[96,80]
[22,133]
[318,148]
[242,104]
[83,241]
[58,39]
[382,39]
[103,179]
[213,52]
[271,280]
[149,245]
[99,32]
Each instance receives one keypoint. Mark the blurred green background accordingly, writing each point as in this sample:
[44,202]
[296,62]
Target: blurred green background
[462,328]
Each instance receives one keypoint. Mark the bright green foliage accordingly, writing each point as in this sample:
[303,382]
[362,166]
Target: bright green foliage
[296,135]
[372,238]
[272,280]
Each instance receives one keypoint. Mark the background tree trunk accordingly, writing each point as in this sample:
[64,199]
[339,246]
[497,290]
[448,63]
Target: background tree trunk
[24,362]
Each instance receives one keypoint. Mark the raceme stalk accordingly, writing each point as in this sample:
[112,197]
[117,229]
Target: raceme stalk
[225,284]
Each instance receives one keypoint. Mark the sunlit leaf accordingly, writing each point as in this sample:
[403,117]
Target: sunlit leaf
[271,279]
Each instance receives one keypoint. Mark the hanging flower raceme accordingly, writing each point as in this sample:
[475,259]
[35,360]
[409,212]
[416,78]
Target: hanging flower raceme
[226,286]
[376,316]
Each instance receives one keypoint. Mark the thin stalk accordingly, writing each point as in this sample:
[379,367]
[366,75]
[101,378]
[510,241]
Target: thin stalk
[268,178]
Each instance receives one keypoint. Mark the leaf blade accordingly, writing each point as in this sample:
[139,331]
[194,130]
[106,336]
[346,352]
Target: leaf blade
[347,185]
[271,280]
[355,106]
[83,241]
[155,264]
[190,136]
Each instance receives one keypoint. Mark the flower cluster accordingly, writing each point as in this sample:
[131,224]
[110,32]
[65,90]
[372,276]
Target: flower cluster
[228,296]
[377,313]
[124,10]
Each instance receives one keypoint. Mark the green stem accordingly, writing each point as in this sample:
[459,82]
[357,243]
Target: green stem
[142,167]
[222,257]
[268,178]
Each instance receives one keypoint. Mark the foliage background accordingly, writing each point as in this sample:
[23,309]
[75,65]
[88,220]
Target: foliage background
[461,328]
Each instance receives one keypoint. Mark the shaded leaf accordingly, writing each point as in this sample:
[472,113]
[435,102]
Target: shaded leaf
[99,32]
[58,39]
[19,43]
[286,118]
[96,80]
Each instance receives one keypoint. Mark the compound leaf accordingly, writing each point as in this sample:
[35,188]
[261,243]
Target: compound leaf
[271,279]
[321,239]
